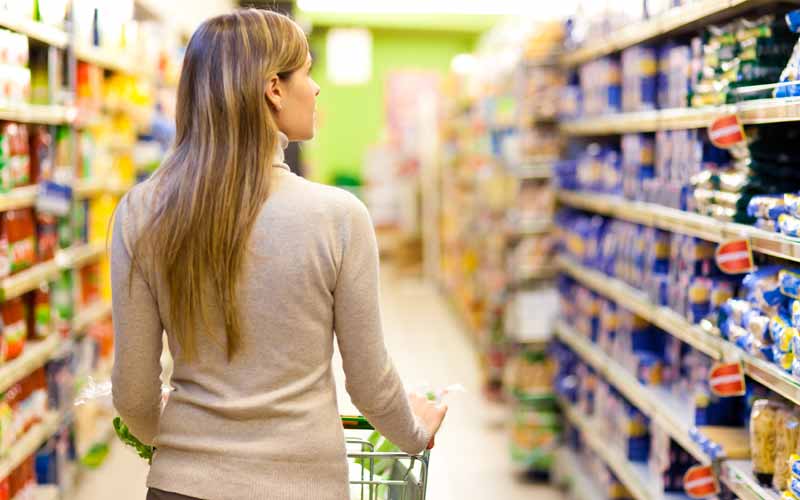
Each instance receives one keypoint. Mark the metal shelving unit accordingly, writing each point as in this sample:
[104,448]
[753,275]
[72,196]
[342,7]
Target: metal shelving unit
[669,413]
[755,112]
[678,221]
[41,32]
[714,346]
[675,21]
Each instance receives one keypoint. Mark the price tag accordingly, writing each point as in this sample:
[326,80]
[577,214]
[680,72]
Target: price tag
[727,379]
[726,131]
[735,256]
[54,199]
[700,482]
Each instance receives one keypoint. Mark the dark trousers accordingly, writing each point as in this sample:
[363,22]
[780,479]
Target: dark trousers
[154,494]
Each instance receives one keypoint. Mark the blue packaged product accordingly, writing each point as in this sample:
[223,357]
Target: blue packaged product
[785,339]
[650,368]
[794,311]
[794,461]
[699,298]
[795,486]
[768,353]
[758,325]
[763,286]
[789,283]
[736,309]
[745,342]
[789,225]
[766,206]
[793,20]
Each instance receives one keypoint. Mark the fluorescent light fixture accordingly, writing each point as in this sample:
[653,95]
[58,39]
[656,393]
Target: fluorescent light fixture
[537,9]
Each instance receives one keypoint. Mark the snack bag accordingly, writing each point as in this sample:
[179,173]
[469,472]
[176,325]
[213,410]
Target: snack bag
[763,433]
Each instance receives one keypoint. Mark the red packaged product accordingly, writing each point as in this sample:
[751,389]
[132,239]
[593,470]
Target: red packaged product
[90,284]
[20,230]
[14,328]
[46,236]
[40,154]
[20,162]
[5,489]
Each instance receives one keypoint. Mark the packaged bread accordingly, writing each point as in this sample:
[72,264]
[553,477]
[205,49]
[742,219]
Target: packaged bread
[763,433]
[786,440]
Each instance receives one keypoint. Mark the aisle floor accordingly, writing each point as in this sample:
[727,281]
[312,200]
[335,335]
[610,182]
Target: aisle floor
[471,459]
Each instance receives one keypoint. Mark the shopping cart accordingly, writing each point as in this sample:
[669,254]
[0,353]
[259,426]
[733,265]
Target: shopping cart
[377,470]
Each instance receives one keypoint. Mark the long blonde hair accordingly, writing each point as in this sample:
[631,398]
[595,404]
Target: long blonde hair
[216,177]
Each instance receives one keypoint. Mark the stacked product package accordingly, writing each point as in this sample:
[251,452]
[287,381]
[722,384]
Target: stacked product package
[744,53]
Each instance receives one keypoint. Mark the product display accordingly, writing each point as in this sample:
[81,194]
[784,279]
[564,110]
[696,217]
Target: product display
[69,148]
[679,298]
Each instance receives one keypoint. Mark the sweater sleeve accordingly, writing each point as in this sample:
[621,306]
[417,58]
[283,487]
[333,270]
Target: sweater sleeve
[136,385]
[370,376]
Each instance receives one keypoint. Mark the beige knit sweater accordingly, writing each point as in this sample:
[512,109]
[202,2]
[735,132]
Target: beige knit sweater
[266,425]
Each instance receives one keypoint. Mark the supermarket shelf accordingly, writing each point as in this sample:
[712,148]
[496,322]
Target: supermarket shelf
[21,197]
[755,112]
[35,355]
[29,443]
[24,197]
[119,188]
[530,227]
[579,483]
[81,255]
[677,20]
[30,279]
[37,113]
[678,221]
[738,476]
[88,188]
[669,413]
[637,302]
[533,171]
[35,30]
[109,60]
[634,478]
[714,346]
[91,315]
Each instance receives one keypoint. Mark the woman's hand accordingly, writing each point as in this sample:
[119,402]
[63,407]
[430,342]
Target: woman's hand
[430,413]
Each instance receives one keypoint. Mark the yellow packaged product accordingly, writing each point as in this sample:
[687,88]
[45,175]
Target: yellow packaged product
[786,440]
[763,434]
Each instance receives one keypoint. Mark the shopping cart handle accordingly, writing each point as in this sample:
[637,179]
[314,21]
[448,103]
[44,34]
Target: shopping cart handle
[356,422]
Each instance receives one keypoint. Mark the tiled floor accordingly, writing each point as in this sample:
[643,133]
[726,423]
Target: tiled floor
[471,459]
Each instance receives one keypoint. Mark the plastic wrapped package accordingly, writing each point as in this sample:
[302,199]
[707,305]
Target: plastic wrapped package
[790,283]
[763,434]
[786,440]
[789,225]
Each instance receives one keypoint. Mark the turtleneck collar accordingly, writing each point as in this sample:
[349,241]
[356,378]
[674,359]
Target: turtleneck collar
[279,159]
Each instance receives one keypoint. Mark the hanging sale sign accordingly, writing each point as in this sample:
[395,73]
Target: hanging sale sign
[727,379]
[735,256]
[726,131]
[700,482]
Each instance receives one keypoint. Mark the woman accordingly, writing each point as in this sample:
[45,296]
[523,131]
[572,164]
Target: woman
[250,269]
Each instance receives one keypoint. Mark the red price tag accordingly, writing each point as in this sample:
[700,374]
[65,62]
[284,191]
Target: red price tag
[727,379]
[700,482]
[735,256]
[726,131]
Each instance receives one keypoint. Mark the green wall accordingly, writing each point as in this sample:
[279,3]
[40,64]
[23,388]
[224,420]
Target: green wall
[351,118]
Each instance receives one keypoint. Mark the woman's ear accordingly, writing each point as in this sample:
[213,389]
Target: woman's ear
[274,93]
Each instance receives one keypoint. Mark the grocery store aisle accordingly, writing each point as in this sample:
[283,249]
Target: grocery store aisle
[471,458]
